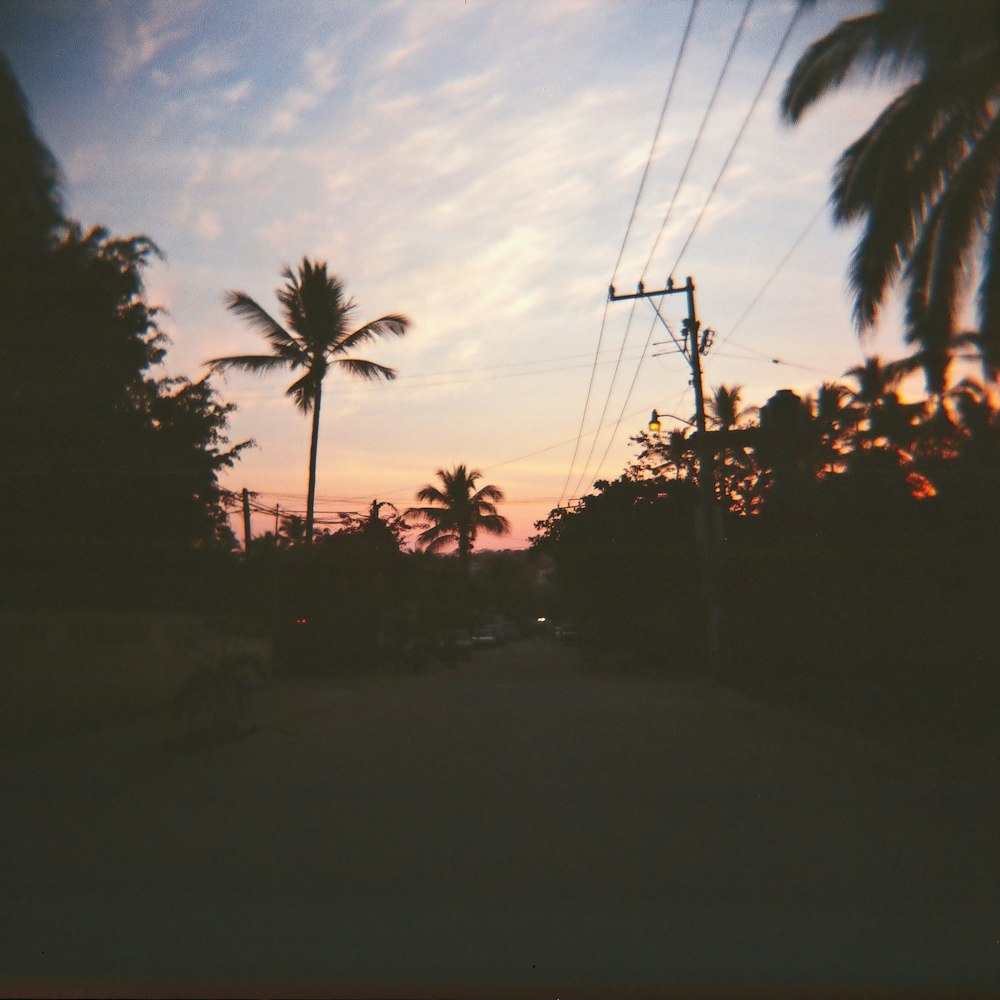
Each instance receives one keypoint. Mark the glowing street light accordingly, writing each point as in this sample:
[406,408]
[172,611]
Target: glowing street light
[656,421]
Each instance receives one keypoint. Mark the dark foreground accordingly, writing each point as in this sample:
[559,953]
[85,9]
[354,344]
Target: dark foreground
[509,827]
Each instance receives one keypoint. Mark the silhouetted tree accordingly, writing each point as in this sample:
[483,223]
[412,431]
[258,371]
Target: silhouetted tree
[30,204]
[923,177]
[105,465]
[618,555]
[837,419]
[725,408]
[457,512]
[317,335]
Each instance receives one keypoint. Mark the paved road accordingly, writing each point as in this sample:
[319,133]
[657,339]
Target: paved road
[511,827]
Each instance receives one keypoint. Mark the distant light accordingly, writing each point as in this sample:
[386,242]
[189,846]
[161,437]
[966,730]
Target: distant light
[654,423]
[301,621]
[541,621]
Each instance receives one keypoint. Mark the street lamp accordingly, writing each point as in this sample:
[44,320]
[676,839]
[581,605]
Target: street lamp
[656,421]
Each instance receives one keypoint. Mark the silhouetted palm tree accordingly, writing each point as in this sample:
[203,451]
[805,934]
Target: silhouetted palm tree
[836,420]
[725,408]
[924,176]
[317,335]
[735,470]
[874,381]
[292,532]
[680,454]
[883,416]
[458,512]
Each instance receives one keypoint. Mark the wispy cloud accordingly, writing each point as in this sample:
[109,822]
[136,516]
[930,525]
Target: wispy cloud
[136,42]
[473,165]
[319,78]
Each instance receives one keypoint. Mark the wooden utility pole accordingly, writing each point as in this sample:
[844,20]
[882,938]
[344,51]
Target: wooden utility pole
[692,347]
[246,520]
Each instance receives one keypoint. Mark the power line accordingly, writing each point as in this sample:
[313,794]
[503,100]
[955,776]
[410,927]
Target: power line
[628,228]
[781,264]
[586,403]
[677,189]
[300,497]
[796,14]
[767,359]
[607,398]
[739,135]
[700,133]
[395,387]
[656,135]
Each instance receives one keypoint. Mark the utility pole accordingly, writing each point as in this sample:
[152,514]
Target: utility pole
[246,520]
[692,348]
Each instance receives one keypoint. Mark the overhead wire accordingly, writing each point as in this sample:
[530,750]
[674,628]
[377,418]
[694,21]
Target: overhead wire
[796,14]
[737,35]
[656,134]
[781,265]
[367,390]
[793,21]
[260,508]
[700,133]
[642,183]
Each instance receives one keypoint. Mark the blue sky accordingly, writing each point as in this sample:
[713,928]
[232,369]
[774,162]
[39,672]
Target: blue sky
[472,165]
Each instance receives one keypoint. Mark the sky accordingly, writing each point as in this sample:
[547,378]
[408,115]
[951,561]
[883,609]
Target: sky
[474,166]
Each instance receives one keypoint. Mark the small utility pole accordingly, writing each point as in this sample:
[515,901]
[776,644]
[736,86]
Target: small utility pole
[246,521]
[693,347]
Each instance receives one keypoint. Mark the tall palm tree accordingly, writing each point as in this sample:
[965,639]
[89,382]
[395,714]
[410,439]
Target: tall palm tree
[316,336]
[457,512]
[924,176]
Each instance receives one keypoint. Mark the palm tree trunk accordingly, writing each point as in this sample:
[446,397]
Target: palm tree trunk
[313,445]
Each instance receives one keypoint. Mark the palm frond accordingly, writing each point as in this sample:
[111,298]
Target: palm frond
[943,256]
[494,524]
[881,177]
[431,494]
[304,391]
[370,371]
[257,364]
[862,44]
[488,493]
[392,325]
[439,542]
[960,217]
[259,319]
[988,295]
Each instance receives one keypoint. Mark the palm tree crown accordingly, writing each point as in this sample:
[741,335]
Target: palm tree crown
[458,511]
[924,177]
[316,336]
[725,407]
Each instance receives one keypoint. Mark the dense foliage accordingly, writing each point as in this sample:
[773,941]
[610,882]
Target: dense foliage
[106,466]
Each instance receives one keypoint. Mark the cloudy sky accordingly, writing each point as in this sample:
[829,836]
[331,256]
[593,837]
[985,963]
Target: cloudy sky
[473,165]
